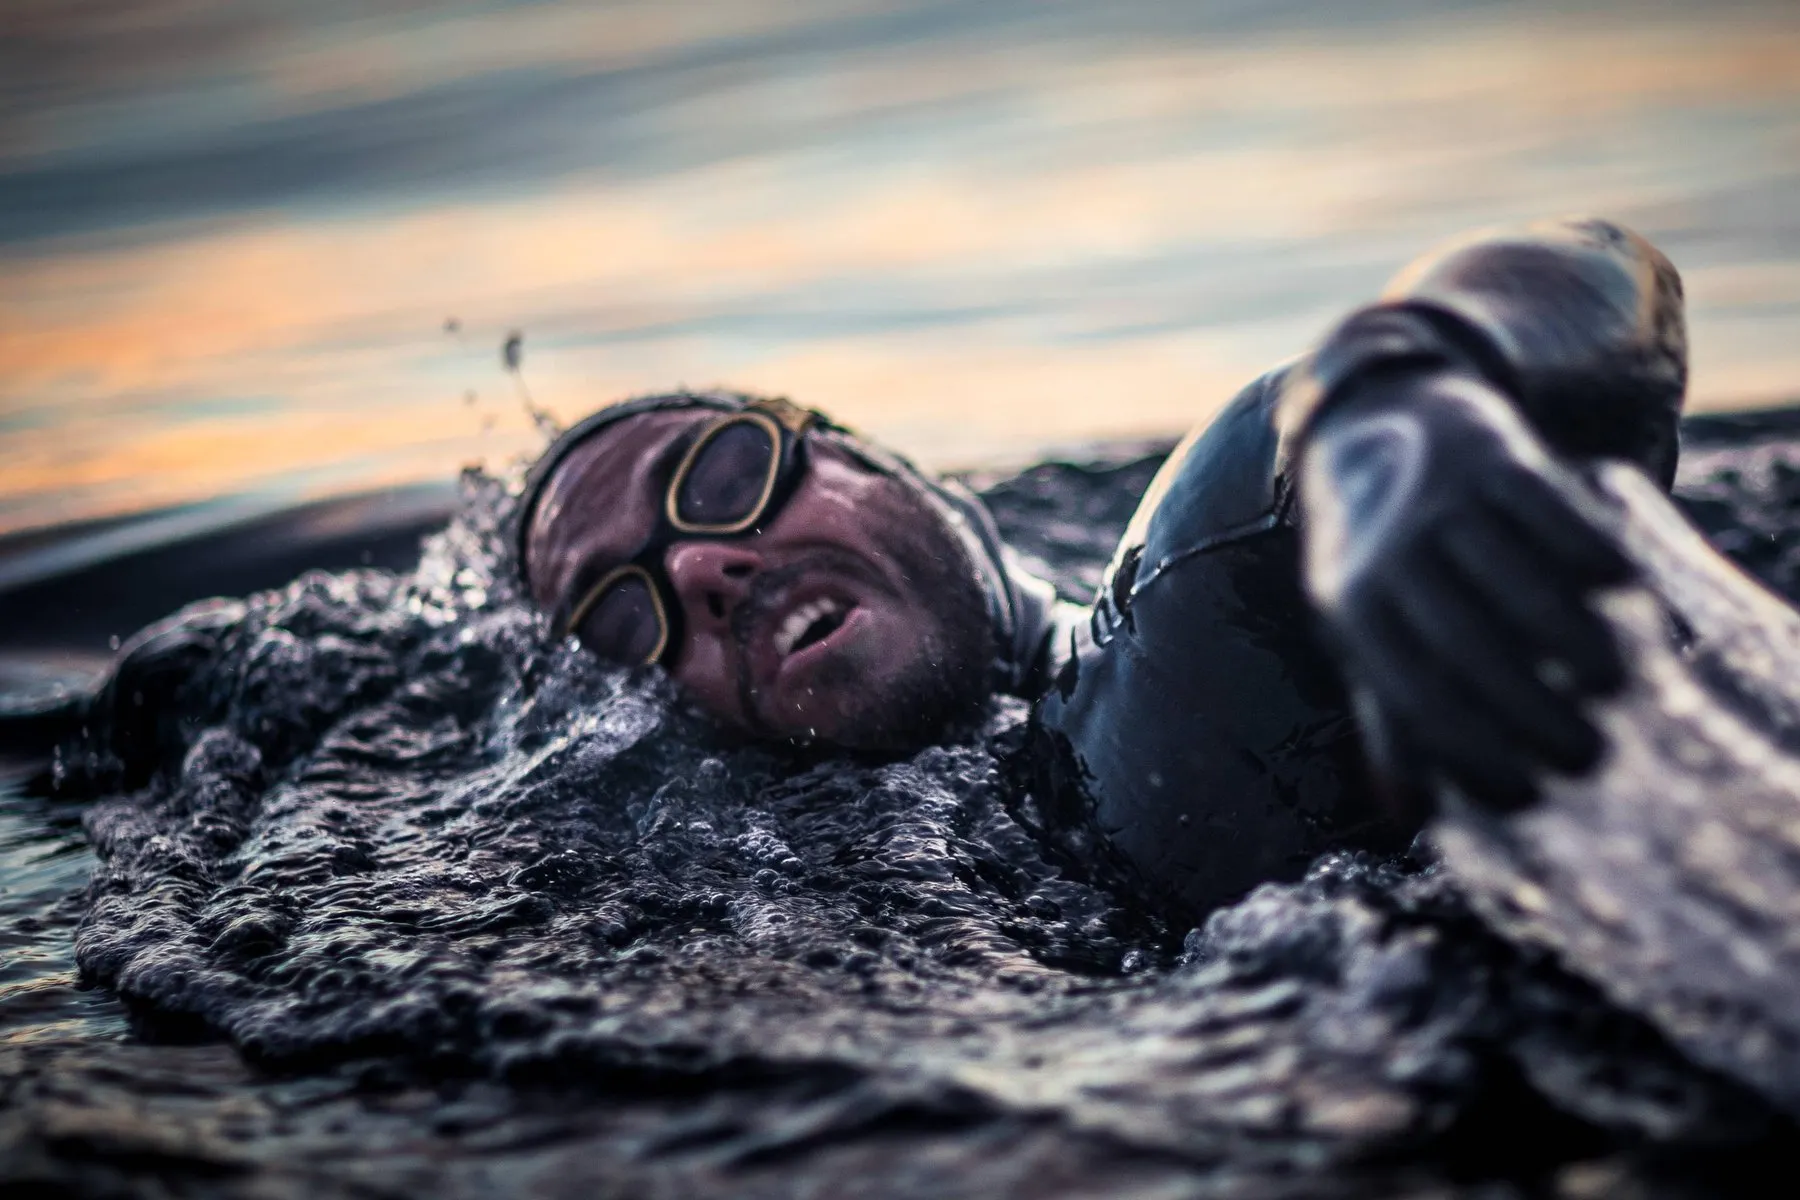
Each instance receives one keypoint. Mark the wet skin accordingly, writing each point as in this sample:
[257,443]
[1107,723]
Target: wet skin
[849,540]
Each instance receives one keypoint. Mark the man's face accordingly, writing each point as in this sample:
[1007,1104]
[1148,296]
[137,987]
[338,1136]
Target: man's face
[852,616]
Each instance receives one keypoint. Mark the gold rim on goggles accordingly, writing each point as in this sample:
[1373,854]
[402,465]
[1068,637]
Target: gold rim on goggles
[772,475]
[772,416]
[612,579]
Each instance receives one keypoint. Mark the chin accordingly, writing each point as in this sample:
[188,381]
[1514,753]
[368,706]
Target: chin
[883,681]
[901,714]
[821,720]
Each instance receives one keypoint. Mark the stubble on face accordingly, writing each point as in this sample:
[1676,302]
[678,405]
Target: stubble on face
[944,679]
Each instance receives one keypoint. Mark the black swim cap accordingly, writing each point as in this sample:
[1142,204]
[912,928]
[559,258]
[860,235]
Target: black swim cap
[1019,604]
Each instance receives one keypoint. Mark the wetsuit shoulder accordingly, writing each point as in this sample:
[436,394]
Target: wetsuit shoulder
[1224,477]
[1225,481]
[1196,726]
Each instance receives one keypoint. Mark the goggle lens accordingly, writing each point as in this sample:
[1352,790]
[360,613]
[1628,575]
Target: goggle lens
[729,477]
[626,624]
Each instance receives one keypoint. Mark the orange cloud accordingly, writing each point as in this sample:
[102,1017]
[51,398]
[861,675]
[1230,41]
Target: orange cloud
[973,303]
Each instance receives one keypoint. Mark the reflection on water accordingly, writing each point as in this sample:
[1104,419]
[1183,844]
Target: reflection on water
[263,245]
[44,868]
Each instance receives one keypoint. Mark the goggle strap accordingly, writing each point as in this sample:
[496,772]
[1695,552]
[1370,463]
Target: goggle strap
[785,412]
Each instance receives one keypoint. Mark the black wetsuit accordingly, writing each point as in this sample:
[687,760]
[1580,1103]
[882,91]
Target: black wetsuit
[1198,722]
[1194,719]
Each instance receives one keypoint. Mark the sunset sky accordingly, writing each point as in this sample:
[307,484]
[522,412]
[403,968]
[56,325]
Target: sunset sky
[249,245]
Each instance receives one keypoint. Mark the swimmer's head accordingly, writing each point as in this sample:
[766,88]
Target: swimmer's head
[795,581]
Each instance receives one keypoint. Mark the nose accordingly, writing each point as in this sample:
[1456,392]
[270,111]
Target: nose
[710,578]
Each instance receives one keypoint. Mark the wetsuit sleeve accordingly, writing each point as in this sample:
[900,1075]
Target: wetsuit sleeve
[1197,730]
[1579,323]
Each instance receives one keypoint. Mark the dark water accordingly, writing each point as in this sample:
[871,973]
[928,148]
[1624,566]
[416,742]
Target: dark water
[44,865]
[475,915]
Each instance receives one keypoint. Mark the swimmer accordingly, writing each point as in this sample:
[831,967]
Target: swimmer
[1373,572]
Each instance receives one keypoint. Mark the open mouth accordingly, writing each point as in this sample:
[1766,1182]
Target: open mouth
[810,624]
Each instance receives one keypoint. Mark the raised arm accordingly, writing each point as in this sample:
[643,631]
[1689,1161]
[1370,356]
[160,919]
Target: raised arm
[1448,539]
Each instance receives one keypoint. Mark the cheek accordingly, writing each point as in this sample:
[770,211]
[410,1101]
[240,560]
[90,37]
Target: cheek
[901,631]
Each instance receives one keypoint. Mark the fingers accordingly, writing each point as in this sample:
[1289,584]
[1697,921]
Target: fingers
[1457,603]
[1440,723]
[1450,635]
[1395,767]
[1548,616]
[1483,660]
[1556,521]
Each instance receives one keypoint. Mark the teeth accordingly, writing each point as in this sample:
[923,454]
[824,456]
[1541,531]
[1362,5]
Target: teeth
[800,620]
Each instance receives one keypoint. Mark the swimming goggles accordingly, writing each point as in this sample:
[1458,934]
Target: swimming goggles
[734,476]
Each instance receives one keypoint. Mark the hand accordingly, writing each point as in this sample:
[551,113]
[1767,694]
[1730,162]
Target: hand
[1452,560]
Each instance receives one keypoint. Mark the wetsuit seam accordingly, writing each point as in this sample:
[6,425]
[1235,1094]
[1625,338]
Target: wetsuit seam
[1262,524]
